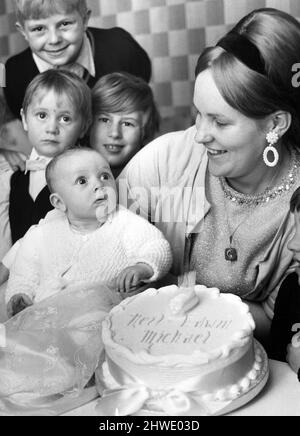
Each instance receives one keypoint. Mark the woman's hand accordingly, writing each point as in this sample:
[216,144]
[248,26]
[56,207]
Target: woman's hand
[129,279]
[13,137]
[17,303]
[14,144]
[15,159]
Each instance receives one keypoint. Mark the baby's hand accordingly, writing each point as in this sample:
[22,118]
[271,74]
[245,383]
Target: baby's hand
[131,277]
[17,303]
[293,353]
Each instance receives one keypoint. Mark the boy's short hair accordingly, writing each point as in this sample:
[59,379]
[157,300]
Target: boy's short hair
[36,9]
[50,169]
[62,82]
[295,201]
[124,92]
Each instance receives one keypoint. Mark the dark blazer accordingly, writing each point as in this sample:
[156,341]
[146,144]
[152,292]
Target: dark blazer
[23,211]
[286,315]
[114,50]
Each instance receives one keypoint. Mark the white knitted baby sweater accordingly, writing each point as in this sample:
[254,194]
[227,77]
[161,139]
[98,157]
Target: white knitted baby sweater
[52,255]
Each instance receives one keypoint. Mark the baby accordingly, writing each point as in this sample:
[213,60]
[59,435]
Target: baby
[90,241]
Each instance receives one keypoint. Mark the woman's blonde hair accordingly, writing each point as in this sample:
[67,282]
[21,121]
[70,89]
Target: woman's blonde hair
[276,35]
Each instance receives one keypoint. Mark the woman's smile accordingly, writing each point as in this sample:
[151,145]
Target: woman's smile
[214,153]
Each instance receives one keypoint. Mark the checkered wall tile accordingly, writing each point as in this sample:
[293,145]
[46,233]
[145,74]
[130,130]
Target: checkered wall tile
[173,32]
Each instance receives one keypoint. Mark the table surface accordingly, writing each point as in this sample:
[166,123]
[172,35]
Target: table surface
[280,397]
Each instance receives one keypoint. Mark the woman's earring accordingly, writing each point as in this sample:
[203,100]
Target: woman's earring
[272,138]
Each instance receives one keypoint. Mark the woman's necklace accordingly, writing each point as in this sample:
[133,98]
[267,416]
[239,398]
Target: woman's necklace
[231,253]
[270,192]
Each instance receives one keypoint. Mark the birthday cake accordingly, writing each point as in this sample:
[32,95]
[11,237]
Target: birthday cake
[179,351]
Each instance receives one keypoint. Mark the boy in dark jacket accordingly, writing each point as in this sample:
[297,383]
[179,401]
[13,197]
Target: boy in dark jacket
[58,37]
[285,329]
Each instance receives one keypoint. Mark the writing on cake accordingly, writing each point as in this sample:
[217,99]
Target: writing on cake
[201,335]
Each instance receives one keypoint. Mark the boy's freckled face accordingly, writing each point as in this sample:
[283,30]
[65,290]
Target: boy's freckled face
[117,136]
[56,39]
[52,123]
[85,183]
[294,243]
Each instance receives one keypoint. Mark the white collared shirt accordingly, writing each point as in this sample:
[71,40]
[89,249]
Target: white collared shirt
[84,60]
[37,179]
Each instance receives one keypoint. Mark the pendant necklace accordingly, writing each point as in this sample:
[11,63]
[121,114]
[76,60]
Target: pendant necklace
[231,254]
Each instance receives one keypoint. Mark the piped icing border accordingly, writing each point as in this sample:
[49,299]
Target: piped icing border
[239,339]
[161,401]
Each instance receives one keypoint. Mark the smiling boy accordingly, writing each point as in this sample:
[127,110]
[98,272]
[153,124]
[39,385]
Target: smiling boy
[58,36]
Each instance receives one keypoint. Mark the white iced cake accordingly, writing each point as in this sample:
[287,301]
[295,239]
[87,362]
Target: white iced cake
[179,351]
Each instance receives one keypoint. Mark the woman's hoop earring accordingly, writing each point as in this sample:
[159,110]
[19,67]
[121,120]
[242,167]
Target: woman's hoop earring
[272,138]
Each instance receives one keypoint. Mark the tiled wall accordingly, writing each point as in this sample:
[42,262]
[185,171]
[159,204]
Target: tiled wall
[173,32]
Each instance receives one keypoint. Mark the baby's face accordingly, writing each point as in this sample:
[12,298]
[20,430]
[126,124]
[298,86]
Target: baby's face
[117,136]
[56,39]
[52,123]
[87,187]
[294,243]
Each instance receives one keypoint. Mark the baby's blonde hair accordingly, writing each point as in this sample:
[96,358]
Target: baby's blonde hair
[36,9]
[51,175]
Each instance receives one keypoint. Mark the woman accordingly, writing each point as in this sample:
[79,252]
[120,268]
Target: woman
[220,190]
